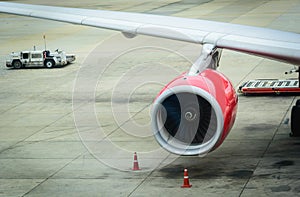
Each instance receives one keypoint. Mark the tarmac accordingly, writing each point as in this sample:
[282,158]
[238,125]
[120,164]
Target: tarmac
[73,130]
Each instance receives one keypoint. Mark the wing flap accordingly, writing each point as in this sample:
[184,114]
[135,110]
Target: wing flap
[186,35]
[272,49]
[57,17]
[125,26]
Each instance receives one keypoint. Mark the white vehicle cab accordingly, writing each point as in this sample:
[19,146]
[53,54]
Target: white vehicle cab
[39,58]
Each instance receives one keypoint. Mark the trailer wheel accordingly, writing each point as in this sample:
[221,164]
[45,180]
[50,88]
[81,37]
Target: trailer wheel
[49,63]
[17,64]
[295,123]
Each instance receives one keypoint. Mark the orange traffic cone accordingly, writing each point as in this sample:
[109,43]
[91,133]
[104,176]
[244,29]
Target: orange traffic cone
[135,162]
[186,183]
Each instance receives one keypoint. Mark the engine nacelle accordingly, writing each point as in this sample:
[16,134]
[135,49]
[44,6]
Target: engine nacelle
[192,115]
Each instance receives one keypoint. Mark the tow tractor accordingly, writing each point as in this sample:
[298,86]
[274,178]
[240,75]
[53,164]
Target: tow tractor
[277,87]
[39,58]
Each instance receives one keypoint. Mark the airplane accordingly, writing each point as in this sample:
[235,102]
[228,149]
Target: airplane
[193,114]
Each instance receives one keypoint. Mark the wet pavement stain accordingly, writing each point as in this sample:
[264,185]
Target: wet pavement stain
[281,188]
[283,163]
[208,173]
[259,127]
[173,172]
[240,174]
[297,189]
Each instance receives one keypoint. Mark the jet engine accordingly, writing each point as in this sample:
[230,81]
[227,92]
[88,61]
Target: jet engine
[192,115]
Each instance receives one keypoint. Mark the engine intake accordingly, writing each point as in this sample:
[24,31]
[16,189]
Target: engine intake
[192,115]
[185,111]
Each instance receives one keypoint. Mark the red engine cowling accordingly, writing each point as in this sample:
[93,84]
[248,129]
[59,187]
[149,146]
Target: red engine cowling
[192,115]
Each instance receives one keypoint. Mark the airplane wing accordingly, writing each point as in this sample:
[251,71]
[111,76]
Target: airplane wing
[273,44]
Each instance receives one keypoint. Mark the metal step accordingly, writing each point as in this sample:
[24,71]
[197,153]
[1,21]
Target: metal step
[270,86]
[291,83]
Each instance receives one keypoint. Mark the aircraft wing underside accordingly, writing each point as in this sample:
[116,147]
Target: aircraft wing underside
[273,44]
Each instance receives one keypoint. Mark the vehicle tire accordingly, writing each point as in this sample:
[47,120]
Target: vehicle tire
[49,63]
[295,123]
[17,64]
[298,102]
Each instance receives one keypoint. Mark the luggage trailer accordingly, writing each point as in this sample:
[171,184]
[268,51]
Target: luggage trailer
[270,86]
[277,86]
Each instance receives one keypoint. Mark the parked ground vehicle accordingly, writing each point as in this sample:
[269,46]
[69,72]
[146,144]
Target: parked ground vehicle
[39,58]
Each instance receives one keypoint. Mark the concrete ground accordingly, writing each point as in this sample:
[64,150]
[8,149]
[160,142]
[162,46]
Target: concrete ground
[72,131]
